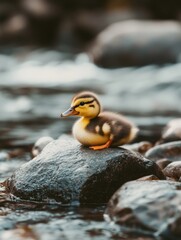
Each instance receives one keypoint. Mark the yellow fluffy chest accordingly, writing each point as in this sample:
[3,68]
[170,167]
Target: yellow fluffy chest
[86,137]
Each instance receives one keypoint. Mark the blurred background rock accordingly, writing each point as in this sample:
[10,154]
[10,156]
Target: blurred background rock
[73,23]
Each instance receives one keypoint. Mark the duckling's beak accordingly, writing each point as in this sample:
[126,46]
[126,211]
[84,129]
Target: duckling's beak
[71,111]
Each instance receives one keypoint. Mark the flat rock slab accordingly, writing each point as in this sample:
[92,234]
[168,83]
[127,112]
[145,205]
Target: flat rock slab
[149,205]
[67,172]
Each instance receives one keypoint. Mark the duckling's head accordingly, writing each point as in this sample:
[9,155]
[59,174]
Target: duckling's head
[84,104]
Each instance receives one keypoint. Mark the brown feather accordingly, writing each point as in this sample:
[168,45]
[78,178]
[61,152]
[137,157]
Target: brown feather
[120,126]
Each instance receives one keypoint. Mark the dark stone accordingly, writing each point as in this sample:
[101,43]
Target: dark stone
[162,163]
[66,172]
[173,170]
[132,43]
[159,10]
[152,206]
[175,227]
[170,151]
[44,18]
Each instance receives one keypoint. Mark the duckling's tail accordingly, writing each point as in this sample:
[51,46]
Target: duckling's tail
[133,133]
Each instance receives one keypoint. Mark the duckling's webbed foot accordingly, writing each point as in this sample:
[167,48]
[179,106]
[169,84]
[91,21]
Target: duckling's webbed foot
[100,147]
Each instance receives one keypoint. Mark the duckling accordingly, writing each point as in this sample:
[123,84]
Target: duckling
[96,129]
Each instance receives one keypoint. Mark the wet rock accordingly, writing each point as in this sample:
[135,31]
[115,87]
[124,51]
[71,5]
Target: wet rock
[162,163]
[175,227]
[147,205]
[173,170]
[132,43]
[140,147]
[170,151]
[67,172]
[40,145]
[172,132]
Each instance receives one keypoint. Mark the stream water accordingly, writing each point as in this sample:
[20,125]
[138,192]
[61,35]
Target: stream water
[35,87]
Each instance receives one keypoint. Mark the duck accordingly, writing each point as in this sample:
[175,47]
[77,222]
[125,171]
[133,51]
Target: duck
[98,129]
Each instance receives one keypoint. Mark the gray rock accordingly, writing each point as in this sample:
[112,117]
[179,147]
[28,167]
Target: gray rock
[162,163]
[154,206]
[172,131]
[137,43]
[140,147]
[67,172]
[170,151]
[40,145]
[173,170]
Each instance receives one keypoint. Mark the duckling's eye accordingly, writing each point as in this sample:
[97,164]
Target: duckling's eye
[81,103]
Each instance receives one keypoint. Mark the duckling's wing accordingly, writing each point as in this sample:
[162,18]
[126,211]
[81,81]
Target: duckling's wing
[120,127]
[116,126]
[99,125]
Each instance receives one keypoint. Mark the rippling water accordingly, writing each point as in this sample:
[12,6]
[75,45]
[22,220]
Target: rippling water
[35,88]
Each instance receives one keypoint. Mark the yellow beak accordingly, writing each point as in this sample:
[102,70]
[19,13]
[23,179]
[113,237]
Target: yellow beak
[70,112]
